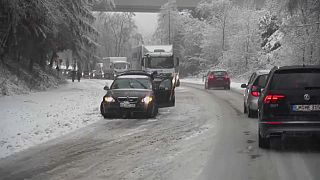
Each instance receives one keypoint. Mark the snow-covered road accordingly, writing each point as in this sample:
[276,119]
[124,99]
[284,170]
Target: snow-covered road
[206,136]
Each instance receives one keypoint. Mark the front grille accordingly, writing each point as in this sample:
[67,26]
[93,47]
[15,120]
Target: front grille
[129,99]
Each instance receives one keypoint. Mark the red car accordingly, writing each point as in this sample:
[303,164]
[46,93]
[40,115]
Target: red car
[217,78]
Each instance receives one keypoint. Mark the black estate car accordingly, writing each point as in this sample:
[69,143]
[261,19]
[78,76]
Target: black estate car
[290,103]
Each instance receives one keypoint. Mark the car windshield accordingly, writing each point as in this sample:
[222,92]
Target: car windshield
[160,62]
[261,80]
[290,80]
[131,83]
[218,73]
[120,65]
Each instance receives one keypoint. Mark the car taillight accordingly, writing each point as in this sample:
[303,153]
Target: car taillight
[226,76]
[254,91]
[272,122]
[211,77]
[273,98]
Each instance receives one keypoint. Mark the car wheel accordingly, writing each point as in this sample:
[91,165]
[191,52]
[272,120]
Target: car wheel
[251,113]
[173,102]
[153,111]
[264,143]
[102,111]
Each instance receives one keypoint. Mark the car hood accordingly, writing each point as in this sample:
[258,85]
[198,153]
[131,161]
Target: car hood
[130,93]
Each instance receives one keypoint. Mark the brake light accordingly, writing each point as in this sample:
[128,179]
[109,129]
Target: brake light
[226,76]
[273,123]
[211,77]
[254,91]
[273,98]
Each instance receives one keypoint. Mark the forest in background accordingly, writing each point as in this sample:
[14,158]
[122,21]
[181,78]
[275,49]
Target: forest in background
[31,34]
[242,36]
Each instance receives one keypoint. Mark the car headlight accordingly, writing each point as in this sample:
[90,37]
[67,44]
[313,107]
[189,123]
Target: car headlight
[147,99]
[109,99]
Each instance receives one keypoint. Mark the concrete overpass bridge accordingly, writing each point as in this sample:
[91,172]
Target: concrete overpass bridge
[146,5]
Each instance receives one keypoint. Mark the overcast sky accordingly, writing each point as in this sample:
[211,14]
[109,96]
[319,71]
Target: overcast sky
[146,22]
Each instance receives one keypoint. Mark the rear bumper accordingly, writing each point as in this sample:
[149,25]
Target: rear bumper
[218,83]
[291,128]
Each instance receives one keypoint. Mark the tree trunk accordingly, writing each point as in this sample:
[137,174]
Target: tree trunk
[31,62]
[52,58]
[311,54]
[223,34]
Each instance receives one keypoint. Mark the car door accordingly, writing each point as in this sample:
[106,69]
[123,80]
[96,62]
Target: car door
[247,91]
[164,92]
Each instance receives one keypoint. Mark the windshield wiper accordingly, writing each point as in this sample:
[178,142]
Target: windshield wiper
[310,87]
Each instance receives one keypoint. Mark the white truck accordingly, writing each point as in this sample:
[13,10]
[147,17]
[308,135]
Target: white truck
[114,66]
[159,60]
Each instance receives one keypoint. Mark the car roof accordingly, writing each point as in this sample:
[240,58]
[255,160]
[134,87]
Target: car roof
[262,71]
[297,67]
[217,70]
[143,73]
[131,76]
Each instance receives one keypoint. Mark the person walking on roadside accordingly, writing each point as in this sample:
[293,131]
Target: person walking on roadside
[79,75]
[73,75]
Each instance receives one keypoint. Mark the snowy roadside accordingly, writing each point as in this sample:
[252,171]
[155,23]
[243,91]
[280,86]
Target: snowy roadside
[235,84]
[30,119]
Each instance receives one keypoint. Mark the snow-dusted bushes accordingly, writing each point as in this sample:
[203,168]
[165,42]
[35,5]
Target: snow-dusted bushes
[15,79]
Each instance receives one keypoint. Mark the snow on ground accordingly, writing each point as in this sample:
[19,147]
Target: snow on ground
[235,84]
[30,119]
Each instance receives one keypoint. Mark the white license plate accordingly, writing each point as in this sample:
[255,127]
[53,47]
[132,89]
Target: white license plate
[306,108]
[127,105]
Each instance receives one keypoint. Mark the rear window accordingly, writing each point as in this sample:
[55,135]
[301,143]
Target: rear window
[296,79]
[218,73]
[261,80]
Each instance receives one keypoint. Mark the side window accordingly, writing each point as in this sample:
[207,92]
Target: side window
[251,78]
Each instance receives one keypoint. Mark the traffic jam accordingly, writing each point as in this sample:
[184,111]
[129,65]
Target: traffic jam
[286,100]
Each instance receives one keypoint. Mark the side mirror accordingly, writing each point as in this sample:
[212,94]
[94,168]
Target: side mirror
[243,86]
[106,87]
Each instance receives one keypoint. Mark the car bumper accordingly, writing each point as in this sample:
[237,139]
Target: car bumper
[218,83]
[114,109]
[290,128]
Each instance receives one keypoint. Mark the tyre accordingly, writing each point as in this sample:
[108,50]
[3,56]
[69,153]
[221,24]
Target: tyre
[251,113]
[153,111]
[102,111]
[264,143]
[172,102]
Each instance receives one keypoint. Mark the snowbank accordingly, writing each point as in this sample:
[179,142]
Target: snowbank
[30,119]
